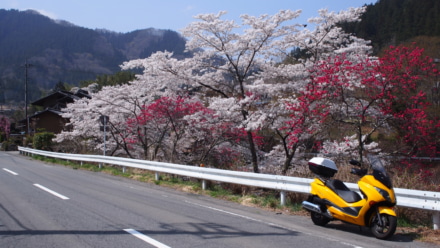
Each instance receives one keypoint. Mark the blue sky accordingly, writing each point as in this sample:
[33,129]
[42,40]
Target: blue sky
[129,15]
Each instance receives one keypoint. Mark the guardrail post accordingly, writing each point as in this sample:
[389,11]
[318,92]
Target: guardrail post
[436,220]
[283,198]
[123,169]
[156,176]
[100,165]
[204,184]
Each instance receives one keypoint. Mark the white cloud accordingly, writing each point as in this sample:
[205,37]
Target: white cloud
[189,8]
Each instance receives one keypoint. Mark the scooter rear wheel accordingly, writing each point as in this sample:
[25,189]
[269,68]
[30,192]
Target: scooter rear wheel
[317,218]
[386,230]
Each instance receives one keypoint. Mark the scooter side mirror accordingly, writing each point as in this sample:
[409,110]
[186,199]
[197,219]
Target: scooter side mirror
[353,171]
[355,162]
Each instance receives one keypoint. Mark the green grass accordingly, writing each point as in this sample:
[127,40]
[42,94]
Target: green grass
[218,192]
[403,221]
[295,207]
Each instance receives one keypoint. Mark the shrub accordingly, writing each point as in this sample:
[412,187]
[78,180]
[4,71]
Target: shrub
[43,141]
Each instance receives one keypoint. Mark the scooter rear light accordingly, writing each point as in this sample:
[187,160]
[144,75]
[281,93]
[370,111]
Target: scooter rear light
[372,203]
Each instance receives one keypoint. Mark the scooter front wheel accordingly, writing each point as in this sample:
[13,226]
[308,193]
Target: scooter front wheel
[383,228]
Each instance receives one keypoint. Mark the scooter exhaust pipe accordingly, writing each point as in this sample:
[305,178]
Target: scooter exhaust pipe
[312,207]
[315,208]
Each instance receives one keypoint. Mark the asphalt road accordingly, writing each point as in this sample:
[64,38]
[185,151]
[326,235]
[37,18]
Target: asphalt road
[44,205]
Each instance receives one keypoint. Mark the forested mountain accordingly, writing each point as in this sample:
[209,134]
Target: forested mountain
[392,22]
[60,51]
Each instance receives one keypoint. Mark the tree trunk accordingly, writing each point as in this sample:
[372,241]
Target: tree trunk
[253,152]
[361,144]
[288,155]
[287,162]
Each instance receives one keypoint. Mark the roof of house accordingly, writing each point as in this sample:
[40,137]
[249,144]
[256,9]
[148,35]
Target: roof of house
[54,102]
[60,96]
[48,110]
[53,111]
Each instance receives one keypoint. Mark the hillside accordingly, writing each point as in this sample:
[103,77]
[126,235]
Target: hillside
[60,51]
[393,22]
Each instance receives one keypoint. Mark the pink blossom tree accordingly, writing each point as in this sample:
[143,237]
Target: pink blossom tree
[371,95]
[406,69]
[163,120]
[5,127]
[184,130]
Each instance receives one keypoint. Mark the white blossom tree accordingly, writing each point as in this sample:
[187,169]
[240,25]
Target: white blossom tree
[239,73]
[117,102]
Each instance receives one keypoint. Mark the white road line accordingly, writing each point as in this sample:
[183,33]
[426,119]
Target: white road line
[230,213]
[145,238]
[52,192]
[13,173]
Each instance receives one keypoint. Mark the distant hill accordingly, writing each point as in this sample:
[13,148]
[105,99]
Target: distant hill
[60,51]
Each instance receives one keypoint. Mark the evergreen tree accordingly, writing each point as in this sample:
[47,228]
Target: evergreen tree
[391,22]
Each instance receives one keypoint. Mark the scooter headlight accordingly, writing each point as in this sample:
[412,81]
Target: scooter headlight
[384,193]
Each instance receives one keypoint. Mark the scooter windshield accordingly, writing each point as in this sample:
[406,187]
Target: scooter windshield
[379,171]
[383,178]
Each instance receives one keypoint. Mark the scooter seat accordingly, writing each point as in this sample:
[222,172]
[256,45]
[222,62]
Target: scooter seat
[341,189]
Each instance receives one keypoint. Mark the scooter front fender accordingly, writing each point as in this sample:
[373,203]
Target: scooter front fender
[387,210]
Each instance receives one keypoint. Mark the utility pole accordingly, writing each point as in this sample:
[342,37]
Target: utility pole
[26,66]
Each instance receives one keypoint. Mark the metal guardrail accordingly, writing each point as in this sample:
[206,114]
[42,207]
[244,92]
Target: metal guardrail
[426,200]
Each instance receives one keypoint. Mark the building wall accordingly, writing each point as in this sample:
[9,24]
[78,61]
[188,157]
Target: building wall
[48,121]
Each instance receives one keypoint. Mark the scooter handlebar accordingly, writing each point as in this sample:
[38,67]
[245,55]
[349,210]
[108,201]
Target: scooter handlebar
[359,172]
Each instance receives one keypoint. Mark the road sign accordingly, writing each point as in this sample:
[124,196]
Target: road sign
[107,128]
[104,119]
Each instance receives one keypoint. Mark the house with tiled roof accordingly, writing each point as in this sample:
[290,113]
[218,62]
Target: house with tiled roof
[50,119]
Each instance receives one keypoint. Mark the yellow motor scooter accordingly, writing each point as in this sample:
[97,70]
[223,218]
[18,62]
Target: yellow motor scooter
[331,199]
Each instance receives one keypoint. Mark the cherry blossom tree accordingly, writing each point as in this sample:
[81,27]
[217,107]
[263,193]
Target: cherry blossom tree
[163,120]
[242,80]
[184,130]
[237,72]
[119,103]
[347,147]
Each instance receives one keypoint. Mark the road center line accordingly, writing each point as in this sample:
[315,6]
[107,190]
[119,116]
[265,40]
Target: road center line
[52,192]
[13,173]
[145,238]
